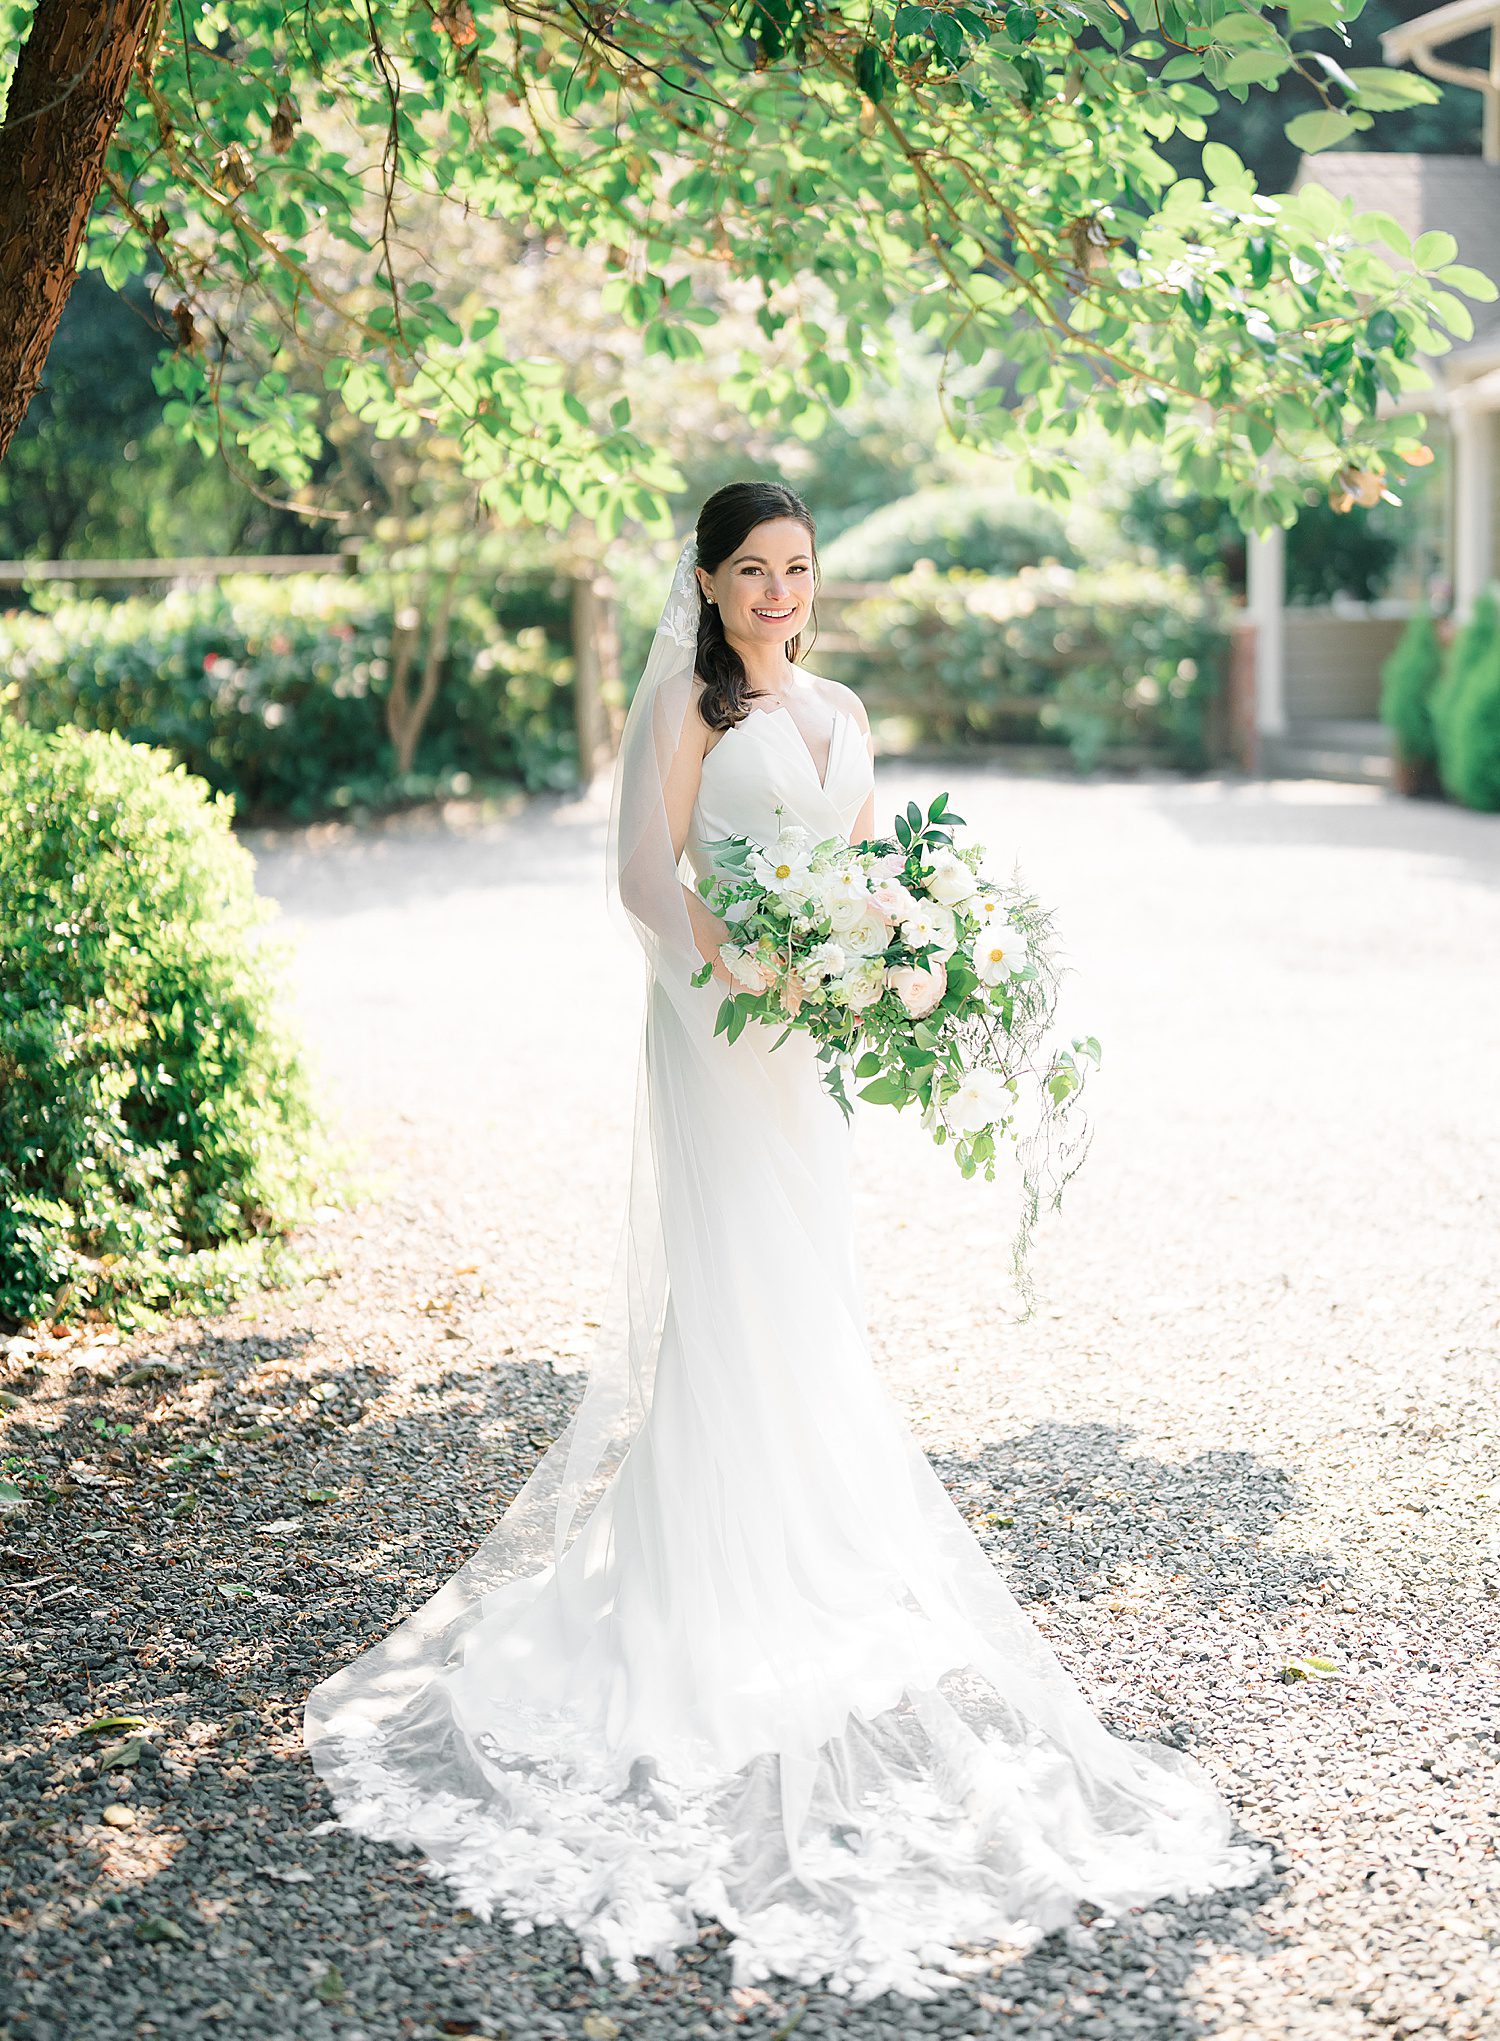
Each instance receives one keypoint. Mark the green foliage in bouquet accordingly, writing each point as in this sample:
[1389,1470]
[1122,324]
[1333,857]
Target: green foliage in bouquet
[920,981]
[1407,681]
[156,1135]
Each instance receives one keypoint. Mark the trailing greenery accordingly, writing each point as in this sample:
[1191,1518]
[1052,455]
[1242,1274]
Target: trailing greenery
[1407,681]
[275,692]
[156,1136]
[990,177]
[1092,658]
[989,531]
[1468,653]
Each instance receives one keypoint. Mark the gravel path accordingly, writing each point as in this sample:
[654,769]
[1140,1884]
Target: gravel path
[1253,1422]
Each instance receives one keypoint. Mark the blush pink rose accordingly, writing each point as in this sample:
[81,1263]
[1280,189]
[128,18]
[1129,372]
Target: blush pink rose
[918,987]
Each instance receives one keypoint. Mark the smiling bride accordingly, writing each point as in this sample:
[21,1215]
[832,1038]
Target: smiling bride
[732,1653]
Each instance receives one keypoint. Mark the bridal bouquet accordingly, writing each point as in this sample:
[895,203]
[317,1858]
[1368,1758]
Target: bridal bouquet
[920,979]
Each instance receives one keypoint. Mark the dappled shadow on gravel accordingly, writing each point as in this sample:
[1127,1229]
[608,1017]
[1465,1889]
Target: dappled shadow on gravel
[214,1523]
[1074,1513]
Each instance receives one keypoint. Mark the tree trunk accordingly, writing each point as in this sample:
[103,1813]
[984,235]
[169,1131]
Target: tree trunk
[65,101]
[596,670]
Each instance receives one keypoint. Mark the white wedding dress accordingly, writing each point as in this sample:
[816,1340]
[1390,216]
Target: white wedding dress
[762,1672]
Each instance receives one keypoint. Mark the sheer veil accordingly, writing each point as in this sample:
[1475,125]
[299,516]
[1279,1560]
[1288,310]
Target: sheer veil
[643,889]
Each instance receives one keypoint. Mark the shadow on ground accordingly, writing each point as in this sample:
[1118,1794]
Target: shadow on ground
[208,1532]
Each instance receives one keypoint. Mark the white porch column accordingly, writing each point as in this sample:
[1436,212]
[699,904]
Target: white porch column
[1473,440]
[1265,603]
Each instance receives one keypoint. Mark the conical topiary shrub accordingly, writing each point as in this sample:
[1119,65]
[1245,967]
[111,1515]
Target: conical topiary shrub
[1472,743]
[1407,681]
[1470,649]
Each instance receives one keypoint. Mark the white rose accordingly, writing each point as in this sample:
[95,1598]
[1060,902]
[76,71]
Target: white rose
[982,1099]
[948,879]
[744,967]
[998,951]
[919,987]
[860,985]
[860,926]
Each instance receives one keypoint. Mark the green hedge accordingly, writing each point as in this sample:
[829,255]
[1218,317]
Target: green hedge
[1408,680]
[274,691]
[1467,710]
[1096,659]
[156,1136]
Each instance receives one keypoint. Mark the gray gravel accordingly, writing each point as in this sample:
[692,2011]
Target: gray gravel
[1252,1424]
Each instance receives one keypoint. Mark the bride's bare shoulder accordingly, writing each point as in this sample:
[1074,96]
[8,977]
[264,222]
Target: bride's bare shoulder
[838,696]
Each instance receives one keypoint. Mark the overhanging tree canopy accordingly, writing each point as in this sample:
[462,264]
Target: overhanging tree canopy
[989,173]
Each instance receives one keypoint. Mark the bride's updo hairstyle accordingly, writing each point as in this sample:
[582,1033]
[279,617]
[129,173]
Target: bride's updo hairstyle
[724,523]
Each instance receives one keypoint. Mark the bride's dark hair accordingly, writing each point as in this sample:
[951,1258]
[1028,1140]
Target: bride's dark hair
[723,522]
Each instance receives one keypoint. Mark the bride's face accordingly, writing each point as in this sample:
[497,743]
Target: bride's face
[764,589]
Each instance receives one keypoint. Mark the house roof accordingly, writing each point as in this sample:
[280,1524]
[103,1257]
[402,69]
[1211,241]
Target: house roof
[1460,194]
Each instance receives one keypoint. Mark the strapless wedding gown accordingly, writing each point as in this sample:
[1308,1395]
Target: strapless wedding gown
[768,1677]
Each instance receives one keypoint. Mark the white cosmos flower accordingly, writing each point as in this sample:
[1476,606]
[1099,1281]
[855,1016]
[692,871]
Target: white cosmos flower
[785,866]
[948,879]
[986,907]
[981,1100]
[826,960]
[930,923]
[998,951]
[842,881]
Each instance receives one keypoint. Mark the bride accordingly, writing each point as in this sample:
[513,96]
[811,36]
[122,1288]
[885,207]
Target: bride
[732,1653]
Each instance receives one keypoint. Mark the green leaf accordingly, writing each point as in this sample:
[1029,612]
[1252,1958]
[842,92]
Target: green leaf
[121,1756]
[1256,67]
[1472,282]
[1383,227]
[1384,91]
[106,1725]
[1320,129]
[1434,249]
[1221,166]
[869,1065]
[886,1091]
[157,1928]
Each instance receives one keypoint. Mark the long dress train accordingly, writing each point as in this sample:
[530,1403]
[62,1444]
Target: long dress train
[760,1671]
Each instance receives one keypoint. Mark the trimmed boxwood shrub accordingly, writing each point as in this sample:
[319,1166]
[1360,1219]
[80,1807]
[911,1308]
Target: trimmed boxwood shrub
[274,691]
[1467,653]
[1407,681]
[1097,659]
[156,1136]
[1471,744]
